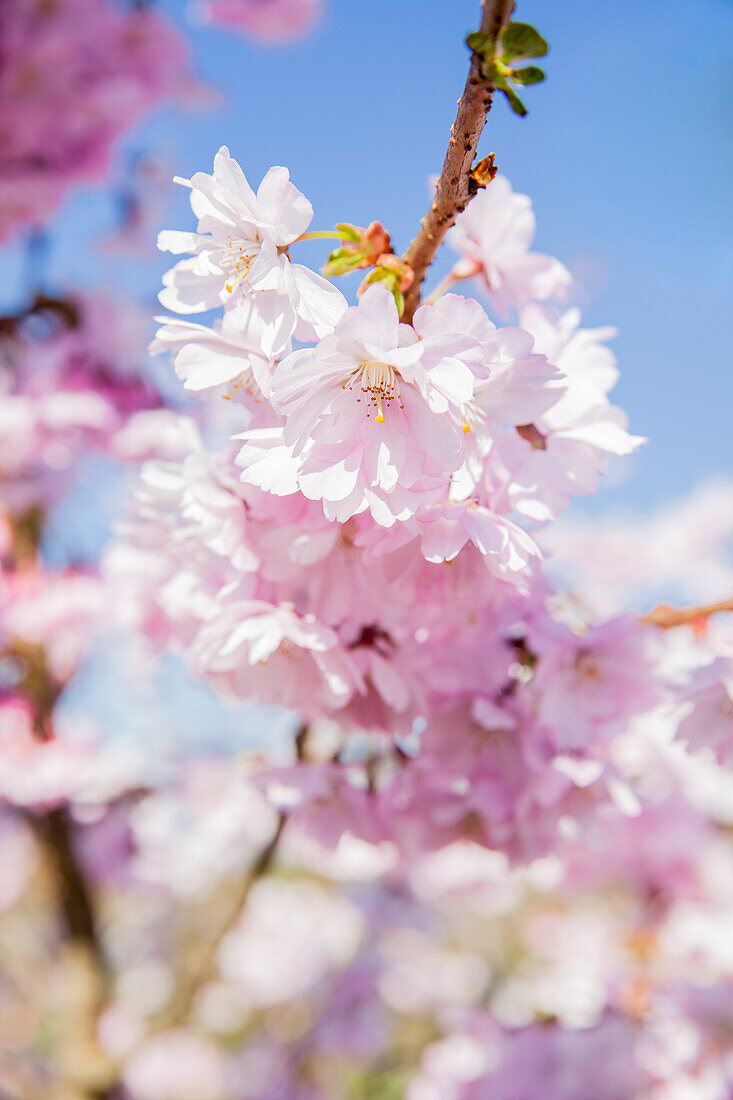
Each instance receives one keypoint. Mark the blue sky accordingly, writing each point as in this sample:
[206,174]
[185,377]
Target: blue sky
[627,154]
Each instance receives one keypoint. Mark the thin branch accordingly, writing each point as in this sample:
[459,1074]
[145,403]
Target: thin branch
[669,617]
[301,742]
[55,831]
[454,190]
[442,287]
[94,1072]
[179,1007]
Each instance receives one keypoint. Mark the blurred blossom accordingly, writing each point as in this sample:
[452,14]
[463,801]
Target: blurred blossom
[70,375]
[291,935]
[75,75]
[177,1066]
[268,21]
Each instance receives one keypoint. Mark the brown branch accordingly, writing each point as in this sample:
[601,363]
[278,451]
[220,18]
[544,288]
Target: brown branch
[301,742]
[669,617]
[55,831]
[93,1072]
[454,189]
[178,1009]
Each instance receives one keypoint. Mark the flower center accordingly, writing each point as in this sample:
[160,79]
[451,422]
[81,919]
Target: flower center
[473,416]
[235,260]
[379,382]
[246,383]
[587,666]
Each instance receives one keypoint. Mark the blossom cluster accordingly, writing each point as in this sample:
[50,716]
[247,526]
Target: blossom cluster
[74,76]
[360,548]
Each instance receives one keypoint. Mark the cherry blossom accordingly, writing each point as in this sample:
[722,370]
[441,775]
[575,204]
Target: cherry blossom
[241,248]
[229,355]
[562,453]
[493,236]
[264,649]
[373,413]
[76,75]
[709,721]
[270,21]
[71,377]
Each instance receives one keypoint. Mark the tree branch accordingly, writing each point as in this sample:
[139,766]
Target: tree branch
[669,617]
[454,189]
[93,1071]
[75,898]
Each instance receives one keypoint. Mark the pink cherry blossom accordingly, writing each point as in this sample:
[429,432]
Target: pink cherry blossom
[63,768]
[70,374]
[479,1059]
[75,76]
[562,453]
[709,702]
[373,413]
[254,648]
[179,1064]
[493,235]
[240,248]
[270,21]
[60,613]
[446,528]
[229,354]
[609,672]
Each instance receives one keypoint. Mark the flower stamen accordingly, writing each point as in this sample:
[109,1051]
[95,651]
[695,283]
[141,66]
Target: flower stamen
[235,260]
[379,381]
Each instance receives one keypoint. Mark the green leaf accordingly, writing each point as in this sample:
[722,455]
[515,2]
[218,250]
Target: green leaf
[494,71]
[514,101]
[342,260]
[382,275]
[480,43]
[531,74]
[520,41]
[348,232]
[391,280]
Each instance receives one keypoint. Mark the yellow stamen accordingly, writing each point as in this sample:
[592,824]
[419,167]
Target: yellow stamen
[378,381]
[236,259]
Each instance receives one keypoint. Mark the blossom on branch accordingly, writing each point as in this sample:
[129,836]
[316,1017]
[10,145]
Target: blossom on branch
[493,235]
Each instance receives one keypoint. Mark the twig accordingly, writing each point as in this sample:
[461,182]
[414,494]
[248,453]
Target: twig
[93,1071]
[443,287]
[669,617]
[301,742]
[75,898]
[178,1009]
[454,189]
